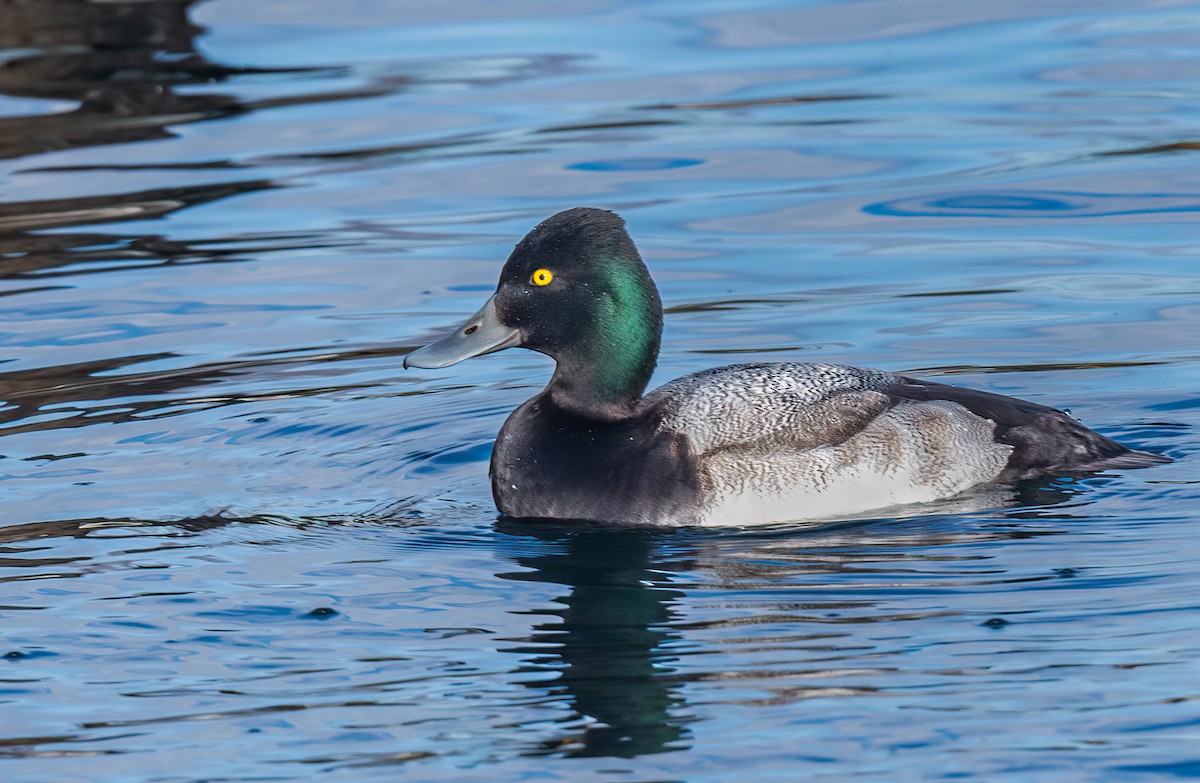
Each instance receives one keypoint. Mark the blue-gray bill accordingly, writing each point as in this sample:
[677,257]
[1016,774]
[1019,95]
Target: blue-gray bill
[482,333]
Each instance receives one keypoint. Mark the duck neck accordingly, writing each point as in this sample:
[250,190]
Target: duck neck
[603,384]
[606,363]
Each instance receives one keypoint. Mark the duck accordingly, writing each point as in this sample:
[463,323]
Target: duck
[738,445]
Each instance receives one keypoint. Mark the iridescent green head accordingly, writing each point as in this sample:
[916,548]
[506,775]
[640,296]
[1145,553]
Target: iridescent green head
[576,289]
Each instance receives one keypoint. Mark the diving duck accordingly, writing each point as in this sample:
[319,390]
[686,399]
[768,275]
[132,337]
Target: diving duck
[736,445]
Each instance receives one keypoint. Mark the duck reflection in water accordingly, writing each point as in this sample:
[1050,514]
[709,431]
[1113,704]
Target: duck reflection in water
[608,652]
[605,652]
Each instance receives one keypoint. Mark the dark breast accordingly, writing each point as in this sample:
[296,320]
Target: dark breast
[551,463]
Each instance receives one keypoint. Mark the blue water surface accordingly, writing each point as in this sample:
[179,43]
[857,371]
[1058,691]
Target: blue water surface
[240,543]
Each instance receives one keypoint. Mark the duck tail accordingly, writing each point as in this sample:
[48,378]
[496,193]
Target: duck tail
[1128,460]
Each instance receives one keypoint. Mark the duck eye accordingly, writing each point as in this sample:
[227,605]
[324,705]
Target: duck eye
[542,277]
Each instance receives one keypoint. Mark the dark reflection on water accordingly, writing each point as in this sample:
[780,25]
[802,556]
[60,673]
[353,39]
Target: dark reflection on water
[606,650]
[127,66]
[133,74]
[29,254]
[86,394]
[121,63]
[81,528]
[124,66]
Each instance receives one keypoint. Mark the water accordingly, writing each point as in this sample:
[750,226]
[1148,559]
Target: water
[241,544]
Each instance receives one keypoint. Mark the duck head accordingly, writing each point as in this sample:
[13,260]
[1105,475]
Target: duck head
[576,289]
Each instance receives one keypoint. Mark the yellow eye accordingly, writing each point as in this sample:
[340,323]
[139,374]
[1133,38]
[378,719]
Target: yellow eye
[542,277]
